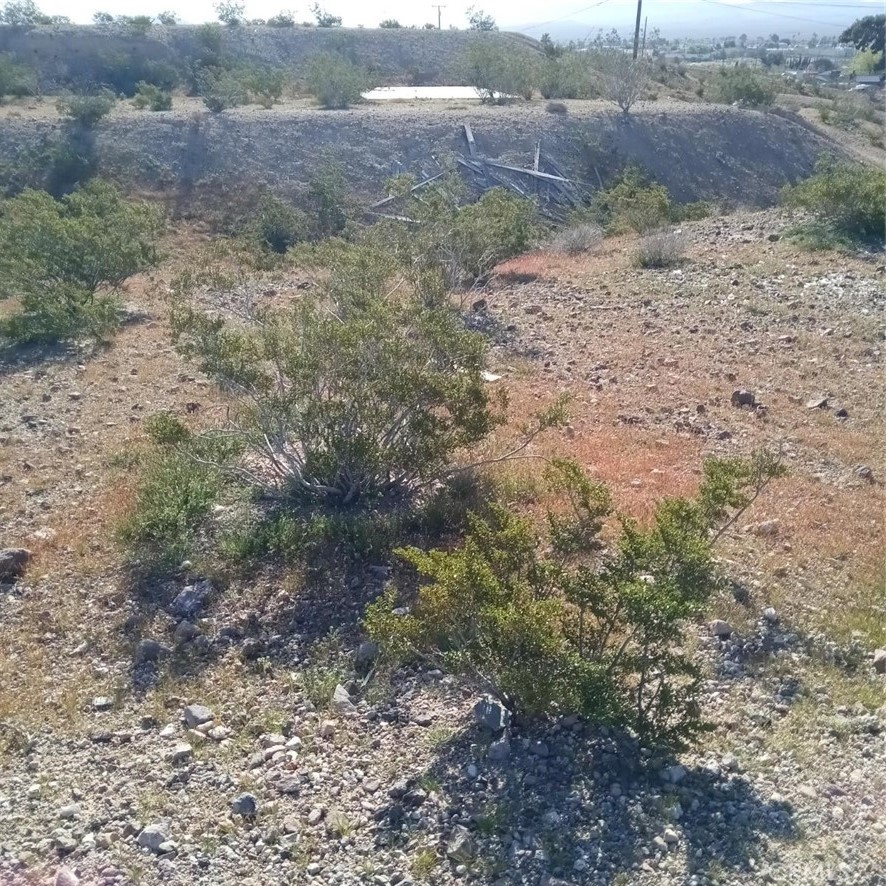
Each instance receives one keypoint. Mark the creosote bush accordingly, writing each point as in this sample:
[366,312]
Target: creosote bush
[553,622]
[87,110]
[457,245]
[336,82]
[499,75]
[848,201]
[632,204]
[278,226]
[152,97]
[742,85]
[64,259]
[354,393]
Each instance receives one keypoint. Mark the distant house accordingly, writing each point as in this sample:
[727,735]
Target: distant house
[869,81]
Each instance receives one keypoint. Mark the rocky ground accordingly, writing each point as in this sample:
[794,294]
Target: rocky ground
[206,730]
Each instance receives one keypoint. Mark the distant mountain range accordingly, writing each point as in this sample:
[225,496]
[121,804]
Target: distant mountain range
[703,18]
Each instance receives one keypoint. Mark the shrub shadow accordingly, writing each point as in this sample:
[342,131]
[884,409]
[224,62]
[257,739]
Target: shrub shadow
[578,805]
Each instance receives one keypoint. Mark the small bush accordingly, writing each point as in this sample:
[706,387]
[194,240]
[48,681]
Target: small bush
[499,75]
[16,79]
[281,20]
[175,496]
[336,82]
[64,259]
[349,394]
[265,85]
[742,85]
[577,239]
[553,623]
[328,200]
[87,110]
[660,249]
[632,204]
[847,200]
[222,89]
[279,226]
[556,108]
[152,97]
[566,75]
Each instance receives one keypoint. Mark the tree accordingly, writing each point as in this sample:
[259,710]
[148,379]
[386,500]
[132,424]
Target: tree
[102,19]
[230,12]
[282,19]
[167,19]
[23,13]
[390,23]
[623,79]
[867,61]
[324,18]
[478,20]
[868,33]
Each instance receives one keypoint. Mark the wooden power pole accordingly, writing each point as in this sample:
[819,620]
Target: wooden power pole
[637,28]
[439,7]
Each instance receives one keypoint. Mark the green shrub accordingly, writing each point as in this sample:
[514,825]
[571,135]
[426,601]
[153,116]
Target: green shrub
[152,97]
[348,394]
[265,84]
[632,204]
[498,74]
[16,79]
[328,200]
[742,85]
[461,244]
[556,623]
[173,500]
[278,226]
[847,200]
[281,20]
[87,110]
[565,76]
[222,89]
[336,82]
[623,79]
[63,260]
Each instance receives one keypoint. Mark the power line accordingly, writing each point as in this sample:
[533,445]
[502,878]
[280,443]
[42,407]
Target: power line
[798,18]
[568,15]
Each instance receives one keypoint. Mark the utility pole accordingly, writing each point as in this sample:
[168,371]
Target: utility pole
[637,28]
[439,7]
[643,50]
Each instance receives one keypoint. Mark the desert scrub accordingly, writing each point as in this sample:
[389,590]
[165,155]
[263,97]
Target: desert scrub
[87,110]
[351,393]
[458,244]
[335,82]
[553,621]
[499,75]
[64,260]
[742,85]
[576,239]
[632,203]
[848,202]
[181,479]
[660,249]
[152,97]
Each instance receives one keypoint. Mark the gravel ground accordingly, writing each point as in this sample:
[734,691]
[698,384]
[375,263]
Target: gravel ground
[195,732]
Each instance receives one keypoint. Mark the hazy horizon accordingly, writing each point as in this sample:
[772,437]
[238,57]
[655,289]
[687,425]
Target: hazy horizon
[692,18]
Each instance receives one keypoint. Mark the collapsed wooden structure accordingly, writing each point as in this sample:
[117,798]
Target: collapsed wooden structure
[556,194]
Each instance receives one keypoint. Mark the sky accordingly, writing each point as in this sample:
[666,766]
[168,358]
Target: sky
[788,16]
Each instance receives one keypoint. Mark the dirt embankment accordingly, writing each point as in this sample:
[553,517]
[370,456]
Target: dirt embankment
[79,54]
[720,154]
